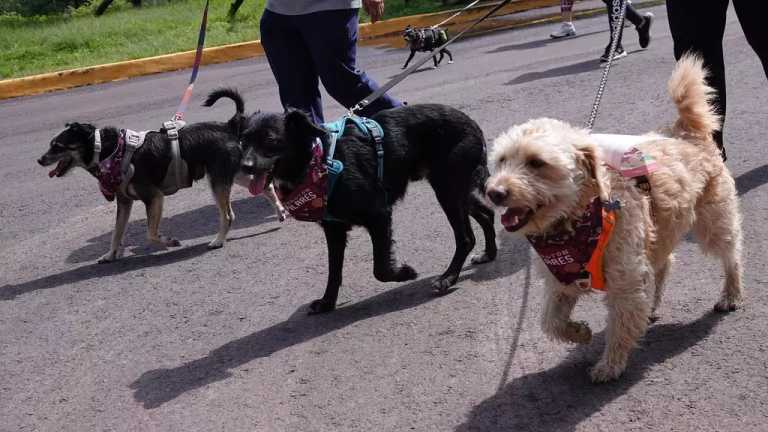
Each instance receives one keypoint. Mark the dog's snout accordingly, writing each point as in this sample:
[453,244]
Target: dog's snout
[40,161]
[497,195]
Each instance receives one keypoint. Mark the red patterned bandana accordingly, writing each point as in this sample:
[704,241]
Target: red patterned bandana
[574,254]
[307,201]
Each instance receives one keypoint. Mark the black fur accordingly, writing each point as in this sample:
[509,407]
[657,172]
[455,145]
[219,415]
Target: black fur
[209,148]
[429,141]
[425,40]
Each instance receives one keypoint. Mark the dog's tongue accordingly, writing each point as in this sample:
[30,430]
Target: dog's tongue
[55,171]
[256,187]
[511,218]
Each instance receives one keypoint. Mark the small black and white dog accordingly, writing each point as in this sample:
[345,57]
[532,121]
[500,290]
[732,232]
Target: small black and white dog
[208,148]
[425,40]
[429,141]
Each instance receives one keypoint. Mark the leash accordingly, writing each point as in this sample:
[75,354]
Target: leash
[177,166]
[459,12]
[618,10]
[404,74]
[195,67]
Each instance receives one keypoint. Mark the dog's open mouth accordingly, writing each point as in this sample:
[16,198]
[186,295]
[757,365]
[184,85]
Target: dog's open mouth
[256,186]
[61,168]
[516,217]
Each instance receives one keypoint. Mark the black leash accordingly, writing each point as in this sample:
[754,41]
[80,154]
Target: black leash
[404,74]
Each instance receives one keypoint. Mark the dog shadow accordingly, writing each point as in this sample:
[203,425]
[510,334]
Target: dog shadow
[200,222]
[123,265]
[513,256]
[571,69]
[561,398]
[538,43]
[751,179]
[156,387]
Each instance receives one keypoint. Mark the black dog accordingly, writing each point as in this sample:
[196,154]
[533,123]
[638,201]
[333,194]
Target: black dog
[210,148]
[429,141]
[426,39]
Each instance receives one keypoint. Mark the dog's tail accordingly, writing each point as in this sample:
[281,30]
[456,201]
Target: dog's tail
[226,92]
[692,96]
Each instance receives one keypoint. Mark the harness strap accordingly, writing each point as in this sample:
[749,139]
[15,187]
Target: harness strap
[96,148]
[175,168]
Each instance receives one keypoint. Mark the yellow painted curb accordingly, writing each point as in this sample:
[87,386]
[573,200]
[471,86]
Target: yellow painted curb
[370,34]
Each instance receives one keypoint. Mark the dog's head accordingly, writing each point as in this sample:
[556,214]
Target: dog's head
[278,142]
[410,34]
[70,148]
[543,170]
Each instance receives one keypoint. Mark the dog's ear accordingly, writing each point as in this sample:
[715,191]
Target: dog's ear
[84,129]
[298,122]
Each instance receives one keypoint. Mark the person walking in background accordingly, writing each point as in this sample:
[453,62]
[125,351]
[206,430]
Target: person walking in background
[566,27]
[642,24]
[307,41]
[699,28]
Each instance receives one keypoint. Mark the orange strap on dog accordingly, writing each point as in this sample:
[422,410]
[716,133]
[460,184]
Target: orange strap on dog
[595,264]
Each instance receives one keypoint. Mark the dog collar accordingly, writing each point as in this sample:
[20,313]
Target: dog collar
[574,253]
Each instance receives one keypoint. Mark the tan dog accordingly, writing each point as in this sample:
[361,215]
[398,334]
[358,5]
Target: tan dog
[547,172]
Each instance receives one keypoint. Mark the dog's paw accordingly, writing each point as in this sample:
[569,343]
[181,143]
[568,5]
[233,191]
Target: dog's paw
[578,332]
[442,284]
[450,61]
[320,306]
[216,244]
[282,215]
[403,67]
[481,258]
[603,372]
[110,256]
[727,304]
[405,273]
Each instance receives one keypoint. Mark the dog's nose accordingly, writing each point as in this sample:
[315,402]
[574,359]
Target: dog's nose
[497,195]
[40,161]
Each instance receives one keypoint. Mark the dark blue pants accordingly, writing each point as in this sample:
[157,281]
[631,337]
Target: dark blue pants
[323,45]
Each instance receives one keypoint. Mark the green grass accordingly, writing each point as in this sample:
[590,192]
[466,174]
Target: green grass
[45,44]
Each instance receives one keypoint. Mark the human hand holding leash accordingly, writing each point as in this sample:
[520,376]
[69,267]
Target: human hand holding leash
[374,8]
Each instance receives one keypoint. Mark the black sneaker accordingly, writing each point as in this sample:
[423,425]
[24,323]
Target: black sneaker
[620,53]
[644,30]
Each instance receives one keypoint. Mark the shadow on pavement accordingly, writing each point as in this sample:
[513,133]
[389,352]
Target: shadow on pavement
[159,386]
[123,265]
[571,69]
[513,256]
[752,179]
[538,43]
[200,222]
[561,398]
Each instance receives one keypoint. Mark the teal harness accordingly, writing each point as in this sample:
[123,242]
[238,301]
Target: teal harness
[309,201]
[373,131]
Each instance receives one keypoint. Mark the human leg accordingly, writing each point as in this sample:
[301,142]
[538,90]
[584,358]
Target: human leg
[332,40]
[700,30]
[291,64]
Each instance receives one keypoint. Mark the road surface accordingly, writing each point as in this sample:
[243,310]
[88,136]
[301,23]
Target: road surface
[195,340]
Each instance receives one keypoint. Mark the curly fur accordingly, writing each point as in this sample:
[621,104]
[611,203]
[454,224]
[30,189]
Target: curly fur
[692,190]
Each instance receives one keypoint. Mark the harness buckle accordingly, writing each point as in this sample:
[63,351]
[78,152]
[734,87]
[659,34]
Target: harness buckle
[171,129]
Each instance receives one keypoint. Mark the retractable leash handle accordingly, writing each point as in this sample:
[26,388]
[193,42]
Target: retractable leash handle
[404,74]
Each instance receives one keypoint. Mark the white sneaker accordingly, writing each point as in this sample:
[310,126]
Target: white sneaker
[566,29]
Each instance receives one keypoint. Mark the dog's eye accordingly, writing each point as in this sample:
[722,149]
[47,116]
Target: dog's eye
[536,163]
[502,160]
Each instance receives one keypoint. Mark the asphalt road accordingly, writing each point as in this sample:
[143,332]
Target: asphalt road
[192,340]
